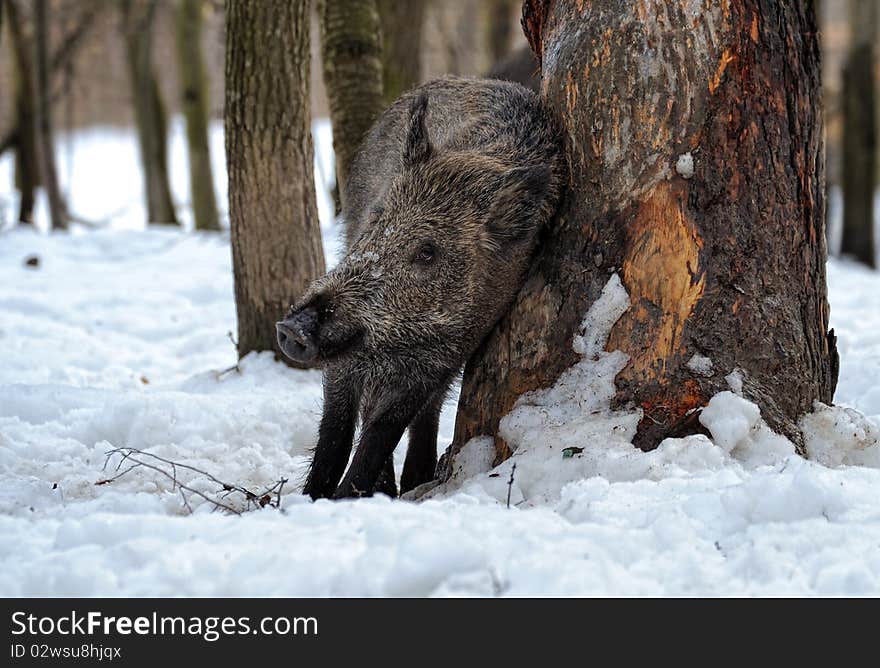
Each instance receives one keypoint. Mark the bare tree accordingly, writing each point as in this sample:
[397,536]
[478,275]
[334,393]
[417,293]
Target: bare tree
[674,199]
[860,134]
[498,28]
[62,57]
[194,102]
[402,26]
[350,51]
[24,133]
[276,241]
[149,110]
[45,143]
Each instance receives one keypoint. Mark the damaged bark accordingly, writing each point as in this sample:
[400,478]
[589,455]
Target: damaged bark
[693,134]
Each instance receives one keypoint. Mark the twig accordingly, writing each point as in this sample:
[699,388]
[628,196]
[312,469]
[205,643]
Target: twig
[222,373]
[185,501]
[72,39]
[139,458]
[510,483]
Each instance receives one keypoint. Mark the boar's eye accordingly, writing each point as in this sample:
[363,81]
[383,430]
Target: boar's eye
[425,254]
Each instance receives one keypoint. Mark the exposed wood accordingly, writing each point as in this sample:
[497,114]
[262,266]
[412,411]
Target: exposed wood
[694,140]
[194,104]
[276,240]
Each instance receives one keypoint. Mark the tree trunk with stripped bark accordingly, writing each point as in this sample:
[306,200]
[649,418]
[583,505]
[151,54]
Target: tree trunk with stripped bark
[693,133]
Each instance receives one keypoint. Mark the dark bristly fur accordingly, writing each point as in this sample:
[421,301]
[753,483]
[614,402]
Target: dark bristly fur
[443,205]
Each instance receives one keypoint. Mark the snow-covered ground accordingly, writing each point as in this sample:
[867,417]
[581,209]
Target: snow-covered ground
[118,338]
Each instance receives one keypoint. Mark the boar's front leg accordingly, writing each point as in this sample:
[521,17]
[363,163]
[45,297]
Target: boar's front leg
[386,483]
[335,435]
[380,434]
[421,455]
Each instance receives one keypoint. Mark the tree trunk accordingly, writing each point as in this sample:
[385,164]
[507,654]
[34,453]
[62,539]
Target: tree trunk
[276,238]
[194,103]
[498,24]
[694,141]
[149,110]
[350,50]
[860,135]
[26,166]
[46,145]
[402,24]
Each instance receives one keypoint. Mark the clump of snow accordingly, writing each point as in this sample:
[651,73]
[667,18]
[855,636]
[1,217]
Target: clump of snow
[600,318]
[737,428]
[837,436]
[685,165]
[701,365]
[735,381]
[474,458]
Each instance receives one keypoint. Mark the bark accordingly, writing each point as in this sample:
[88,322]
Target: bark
[350,50]
[149,109]
[194,103]
[26,165]
[276,241]
[498,28]
[727,262]
[402,27]
[45,143]
[860,135]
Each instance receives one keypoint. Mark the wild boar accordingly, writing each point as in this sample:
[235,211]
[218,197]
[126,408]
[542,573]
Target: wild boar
[444,204]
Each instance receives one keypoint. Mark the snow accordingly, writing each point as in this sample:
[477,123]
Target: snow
[701,365]
[118,338]
[685,165]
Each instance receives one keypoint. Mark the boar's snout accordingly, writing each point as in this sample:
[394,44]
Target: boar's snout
[298,335]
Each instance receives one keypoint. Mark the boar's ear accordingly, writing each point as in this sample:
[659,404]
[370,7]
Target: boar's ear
[519,197]
[417,146]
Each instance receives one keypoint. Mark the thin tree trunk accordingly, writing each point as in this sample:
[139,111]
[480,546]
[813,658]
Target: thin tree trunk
[402,24]
[194,102]
[696,175]
[860,135]
[149,109]
[46,145]
[26,166]
[498,32]
[276,239]
[61,58]
[350,51]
